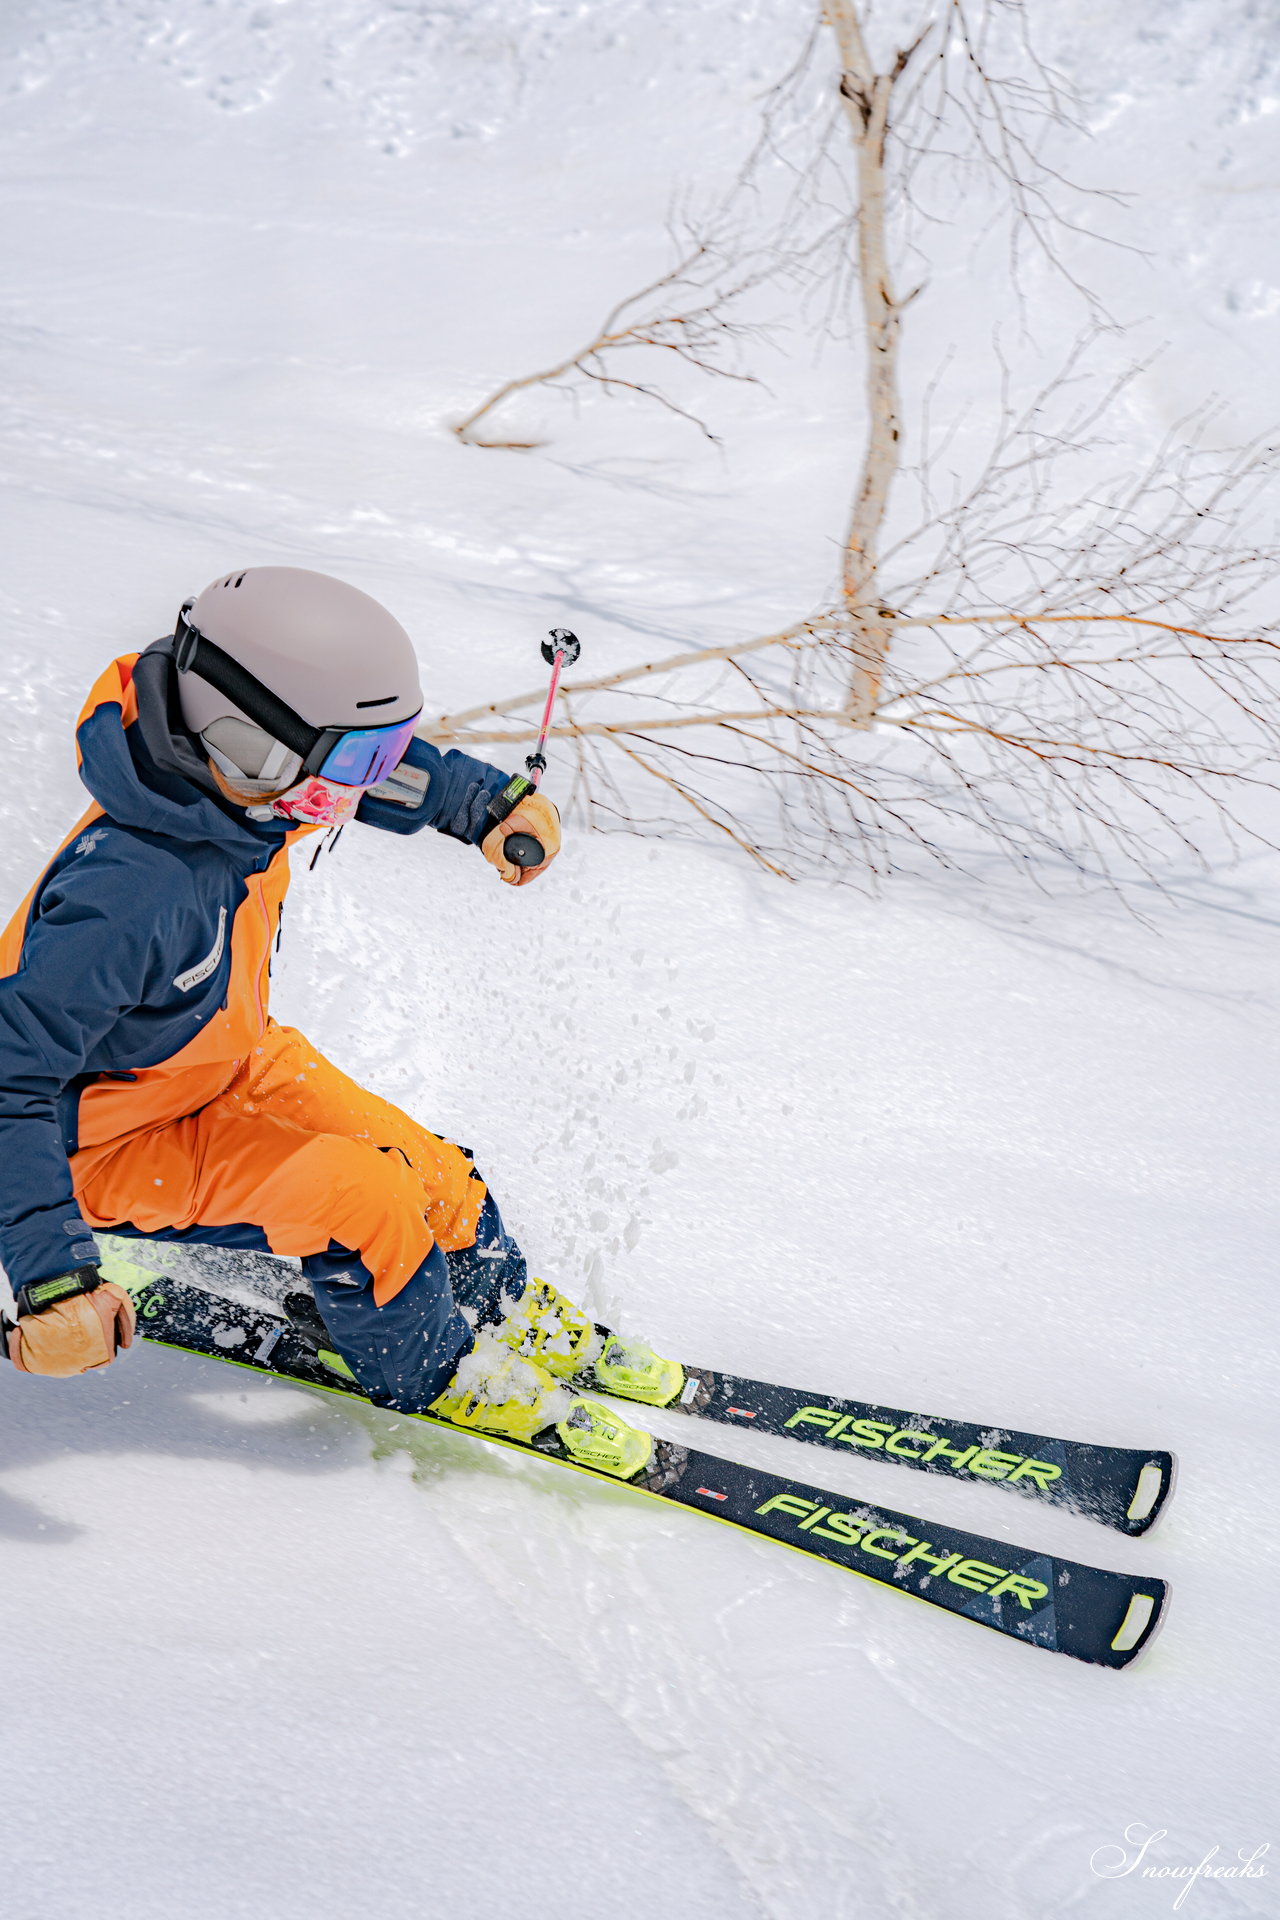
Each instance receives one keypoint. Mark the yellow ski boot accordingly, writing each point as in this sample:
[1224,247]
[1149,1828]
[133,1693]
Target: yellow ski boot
[497,1392]
[549,1330]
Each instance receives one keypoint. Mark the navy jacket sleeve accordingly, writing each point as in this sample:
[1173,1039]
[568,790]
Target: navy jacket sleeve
[448,791]
[85,961]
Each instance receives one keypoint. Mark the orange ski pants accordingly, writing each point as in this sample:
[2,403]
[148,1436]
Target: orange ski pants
[297,1149]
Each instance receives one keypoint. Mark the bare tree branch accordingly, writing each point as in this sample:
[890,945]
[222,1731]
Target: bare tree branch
[687,312]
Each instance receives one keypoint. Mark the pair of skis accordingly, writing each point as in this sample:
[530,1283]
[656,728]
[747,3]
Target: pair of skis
[1085,1612]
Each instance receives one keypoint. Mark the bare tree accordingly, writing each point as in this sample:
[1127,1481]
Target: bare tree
[867,96]
[1054,651]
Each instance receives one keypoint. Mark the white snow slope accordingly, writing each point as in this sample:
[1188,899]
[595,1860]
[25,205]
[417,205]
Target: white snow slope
[961,1146]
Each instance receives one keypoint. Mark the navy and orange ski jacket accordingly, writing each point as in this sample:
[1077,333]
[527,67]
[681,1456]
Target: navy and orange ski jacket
[134,976]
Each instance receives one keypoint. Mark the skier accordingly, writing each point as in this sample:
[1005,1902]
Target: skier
[144,1087]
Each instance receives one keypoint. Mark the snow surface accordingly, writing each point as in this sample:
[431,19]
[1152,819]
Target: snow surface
[962,1146]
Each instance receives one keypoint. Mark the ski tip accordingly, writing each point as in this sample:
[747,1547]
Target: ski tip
[1145,1615]
[1152,1491]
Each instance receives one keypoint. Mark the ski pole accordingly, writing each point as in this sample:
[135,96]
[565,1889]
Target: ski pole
[560,648]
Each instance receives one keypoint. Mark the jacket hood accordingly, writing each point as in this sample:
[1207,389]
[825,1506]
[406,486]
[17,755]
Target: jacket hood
[143,767]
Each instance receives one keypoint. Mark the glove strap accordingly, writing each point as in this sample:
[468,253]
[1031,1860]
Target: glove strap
[504,804]
[39,1295]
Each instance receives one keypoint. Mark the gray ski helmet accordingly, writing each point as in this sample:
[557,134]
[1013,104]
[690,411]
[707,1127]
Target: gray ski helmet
[330,652]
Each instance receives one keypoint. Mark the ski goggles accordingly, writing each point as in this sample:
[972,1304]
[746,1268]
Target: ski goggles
[347,756]
[360,756]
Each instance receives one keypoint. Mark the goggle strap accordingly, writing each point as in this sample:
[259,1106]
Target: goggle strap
[193,653]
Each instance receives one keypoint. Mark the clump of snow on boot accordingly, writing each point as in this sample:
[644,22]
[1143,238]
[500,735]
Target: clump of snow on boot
[493,1373]
[544,1323]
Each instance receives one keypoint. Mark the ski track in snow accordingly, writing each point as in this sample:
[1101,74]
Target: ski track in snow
[963,1147]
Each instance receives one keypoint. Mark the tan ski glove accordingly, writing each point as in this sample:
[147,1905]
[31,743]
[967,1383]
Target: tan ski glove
[81,1327]
[534,815]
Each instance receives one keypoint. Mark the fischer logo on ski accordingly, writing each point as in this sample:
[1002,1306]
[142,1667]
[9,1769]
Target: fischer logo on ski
[987,1462]
[853,1530]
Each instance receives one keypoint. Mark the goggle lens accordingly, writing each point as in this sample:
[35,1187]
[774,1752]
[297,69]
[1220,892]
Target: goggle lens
[367,755]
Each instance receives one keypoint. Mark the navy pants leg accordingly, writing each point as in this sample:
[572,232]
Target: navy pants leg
[404,1354]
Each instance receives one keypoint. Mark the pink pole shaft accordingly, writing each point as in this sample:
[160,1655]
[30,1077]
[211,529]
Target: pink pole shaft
[536,774]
